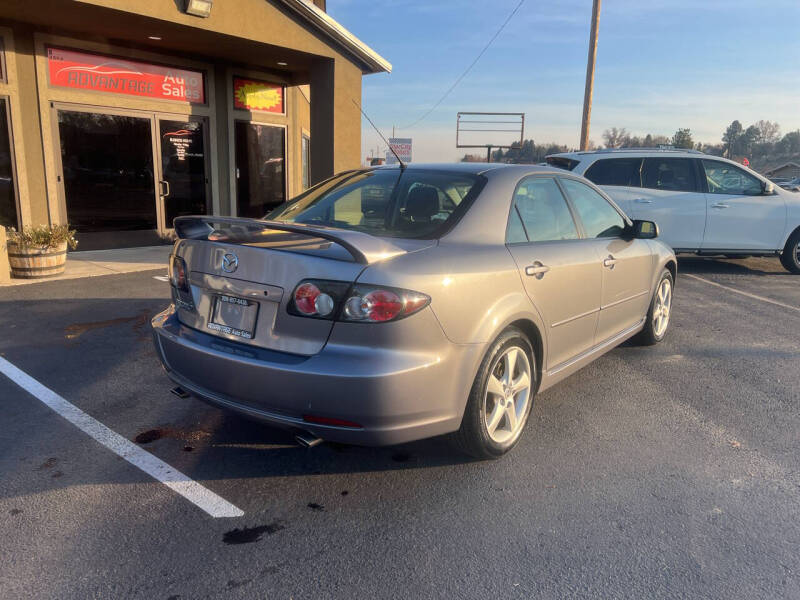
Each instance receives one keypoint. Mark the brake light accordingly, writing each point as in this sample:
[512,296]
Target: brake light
[359,303]
[309,300]
[177,274]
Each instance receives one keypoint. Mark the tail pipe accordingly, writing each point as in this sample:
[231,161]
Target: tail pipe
[307,439]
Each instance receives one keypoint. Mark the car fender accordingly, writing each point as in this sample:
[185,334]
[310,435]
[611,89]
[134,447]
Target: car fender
[663,257]
[792,200]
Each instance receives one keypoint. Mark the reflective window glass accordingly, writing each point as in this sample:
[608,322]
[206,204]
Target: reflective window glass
[544,211]
[599,218]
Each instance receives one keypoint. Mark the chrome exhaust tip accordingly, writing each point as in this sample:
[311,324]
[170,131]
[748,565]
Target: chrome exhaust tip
[307,440]
[179,392]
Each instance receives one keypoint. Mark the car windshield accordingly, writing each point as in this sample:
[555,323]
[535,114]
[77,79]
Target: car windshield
[404,203]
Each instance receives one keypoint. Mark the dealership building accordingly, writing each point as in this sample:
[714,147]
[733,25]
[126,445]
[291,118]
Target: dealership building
[116,116]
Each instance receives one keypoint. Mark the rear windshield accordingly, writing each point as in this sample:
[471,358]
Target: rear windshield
[404,203]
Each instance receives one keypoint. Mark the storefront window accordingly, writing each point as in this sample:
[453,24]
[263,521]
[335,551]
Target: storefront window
[8,197]
[108,171]
[260,168]
[305,158]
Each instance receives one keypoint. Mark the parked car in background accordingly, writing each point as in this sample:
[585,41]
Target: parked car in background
[792,185]
[703,204]
[391,304]
[780,180]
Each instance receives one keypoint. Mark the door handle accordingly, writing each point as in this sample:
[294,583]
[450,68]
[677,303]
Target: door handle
[643,201]
[537,270]
[720,205]
[164,188]
[609,262]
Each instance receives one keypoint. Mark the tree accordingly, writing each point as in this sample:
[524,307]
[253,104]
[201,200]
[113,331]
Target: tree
[732,137]
[748,138]
[768,132]
[683,139]
[790,143]
[615,137]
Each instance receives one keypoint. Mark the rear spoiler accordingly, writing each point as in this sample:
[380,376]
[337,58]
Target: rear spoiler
[364,248]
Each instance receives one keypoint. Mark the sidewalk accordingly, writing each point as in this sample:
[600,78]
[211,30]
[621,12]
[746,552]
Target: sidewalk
[107,262]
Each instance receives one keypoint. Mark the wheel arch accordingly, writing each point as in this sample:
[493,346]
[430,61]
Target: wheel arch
[788,237]
[672,266]
[531,331]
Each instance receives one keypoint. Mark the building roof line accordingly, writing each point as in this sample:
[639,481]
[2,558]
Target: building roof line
[334,30]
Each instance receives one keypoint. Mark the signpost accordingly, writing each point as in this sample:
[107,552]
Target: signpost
[402,146]
[489,130]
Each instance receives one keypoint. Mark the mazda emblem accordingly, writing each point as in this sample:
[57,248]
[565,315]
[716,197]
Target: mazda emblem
[230,262]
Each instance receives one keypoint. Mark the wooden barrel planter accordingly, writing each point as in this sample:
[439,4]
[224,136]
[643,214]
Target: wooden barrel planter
[31,262]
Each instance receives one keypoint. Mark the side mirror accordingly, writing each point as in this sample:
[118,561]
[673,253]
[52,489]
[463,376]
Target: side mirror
[767,188]
[645,230]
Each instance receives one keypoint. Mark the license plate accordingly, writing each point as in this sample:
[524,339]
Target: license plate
[234,316]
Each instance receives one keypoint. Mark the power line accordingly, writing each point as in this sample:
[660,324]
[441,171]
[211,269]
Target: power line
[468,69]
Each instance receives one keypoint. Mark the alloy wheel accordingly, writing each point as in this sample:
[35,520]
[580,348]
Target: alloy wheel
[662,307]
[508,392]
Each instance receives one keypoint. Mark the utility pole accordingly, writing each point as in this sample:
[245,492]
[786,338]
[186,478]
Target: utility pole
[587,94]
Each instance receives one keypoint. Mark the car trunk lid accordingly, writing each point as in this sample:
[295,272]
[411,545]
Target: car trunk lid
[242,273]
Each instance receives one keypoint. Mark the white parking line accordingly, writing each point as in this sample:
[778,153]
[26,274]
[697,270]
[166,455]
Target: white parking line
[191,490]
[748,294]
[163,278]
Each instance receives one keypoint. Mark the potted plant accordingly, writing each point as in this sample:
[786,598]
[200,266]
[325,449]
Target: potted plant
[39,251]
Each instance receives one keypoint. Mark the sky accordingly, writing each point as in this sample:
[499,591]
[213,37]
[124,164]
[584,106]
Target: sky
[661,65]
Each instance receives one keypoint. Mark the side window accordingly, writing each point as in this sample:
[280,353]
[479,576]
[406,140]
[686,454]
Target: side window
[599,218]
[543,210]
[616,171]
[515,233]
[723,178]
[676,174]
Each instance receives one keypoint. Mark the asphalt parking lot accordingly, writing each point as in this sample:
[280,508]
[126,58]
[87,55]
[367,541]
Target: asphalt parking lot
[663,472]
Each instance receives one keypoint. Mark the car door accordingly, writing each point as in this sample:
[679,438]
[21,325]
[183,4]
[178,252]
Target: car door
[620,178]
[562,276]
[627,264]
[672,197]
[740,215]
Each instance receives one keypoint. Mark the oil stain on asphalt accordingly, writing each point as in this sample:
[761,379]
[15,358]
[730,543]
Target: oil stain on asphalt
[248,535]
[139,325]
[151,435]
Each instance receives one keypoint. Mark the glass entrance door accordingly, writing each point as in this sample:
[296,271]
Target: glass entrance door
[260,168]
[183,185]
[109,183]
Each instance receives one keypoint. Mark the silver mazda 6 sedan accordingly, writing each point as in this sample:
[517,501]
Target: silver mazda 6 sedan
[392,304]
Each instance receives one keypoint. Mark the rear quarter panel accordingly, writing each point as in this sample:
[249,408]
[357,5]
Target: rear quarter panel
[475,290]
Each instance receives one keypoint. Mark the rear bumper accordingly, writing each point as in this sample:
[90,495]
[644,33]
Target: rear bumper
[408,383]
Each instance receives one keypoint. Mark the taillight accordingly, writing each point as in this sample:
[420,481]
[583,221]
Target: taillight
[317,298]
[335,300]
[177,273]
[179,280]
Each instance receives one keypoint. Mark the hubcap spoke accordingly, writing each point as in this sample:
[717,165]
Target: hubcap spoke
[494,419]
[495,385]
[511,415]
[511,363]
[523,382]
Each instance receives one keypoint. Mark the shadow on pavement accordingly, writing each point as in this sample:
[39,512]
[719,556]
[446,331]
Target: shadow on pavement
[731,266]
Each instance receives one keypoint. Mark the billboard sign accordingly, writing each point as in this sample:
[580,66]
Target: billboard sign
[403,148]
[250,94]
[95,72]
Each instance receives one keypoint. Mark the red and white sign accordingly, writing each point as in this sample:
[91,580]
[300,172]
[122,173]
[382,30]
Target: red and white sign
[79,70]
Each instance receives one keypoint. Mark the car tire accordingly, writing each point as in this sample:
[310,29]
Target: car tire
[657,322]
[790,257]
[498,406]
